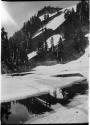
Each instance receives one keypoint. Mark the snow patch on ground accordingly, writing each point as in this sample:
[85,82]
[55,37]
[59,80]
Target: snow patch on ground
[31,55]
[20,87]
[55,40]
[50,15]
[80,65]
[64,115]
[88,35]
[56,22]
[53,24]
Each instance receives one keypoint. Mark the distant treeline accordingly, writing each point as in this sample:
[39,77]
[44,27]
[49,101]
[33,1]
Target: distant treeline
[48,9]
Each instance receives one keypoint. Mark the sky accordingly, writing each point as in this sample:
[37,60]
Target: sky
[14,14]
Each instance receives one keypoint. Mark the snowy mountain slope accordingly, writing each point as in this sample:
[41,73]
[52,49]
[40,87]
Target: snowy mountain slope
[55,40]
[56,22]
[80,65]
[77,110]
[77,113]
[51,79]
[50,15]
[53,24]
[62,10]
[43,80]
[32,54]
[69,8]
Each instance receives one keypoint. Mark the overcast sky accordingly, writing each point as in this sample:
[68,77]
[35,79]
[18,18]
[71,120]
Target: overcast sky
[14,14]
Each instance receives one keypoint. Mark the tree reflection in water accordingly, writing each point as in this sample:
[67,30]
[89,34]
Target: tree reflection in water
[5,112]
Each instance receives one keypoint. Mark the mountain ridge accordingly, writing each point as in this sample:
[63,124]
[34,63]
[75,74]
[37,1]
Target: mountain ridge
[59,37]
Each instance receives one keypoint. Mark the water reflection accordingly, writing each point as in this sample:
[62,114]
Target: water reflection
[17,112]
[5,112]
[34,106]
[70,92]
[13,113]
[20,74]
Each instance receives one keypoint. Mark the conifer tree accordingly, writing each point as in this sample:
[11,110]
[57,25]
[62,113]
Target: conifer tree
[4,46]
[60,49]
[52,44]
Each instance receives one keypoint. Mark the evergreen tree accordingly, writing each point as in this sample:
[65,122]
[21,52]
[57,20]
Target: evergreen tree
[30,42]
[46,46]
[44,39]
[4,46]
[60,49]
[83,11]
[52,44]
[79,41]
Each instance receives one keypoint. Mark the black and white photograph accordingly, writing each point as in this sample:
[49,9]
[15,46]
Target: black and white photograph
[44,62]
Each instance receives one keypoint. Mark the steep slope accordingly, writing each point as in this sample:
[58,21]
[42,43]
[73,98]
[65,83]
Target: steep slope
[32,55]
[45,78]
[50,15]
[59,27]
[80,65]
[76,111]
[56,22]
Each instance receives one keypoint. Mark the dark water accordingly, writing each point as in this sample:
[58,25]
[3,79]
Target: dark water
[69,75]
[20,74]
[69,92]
[20,111]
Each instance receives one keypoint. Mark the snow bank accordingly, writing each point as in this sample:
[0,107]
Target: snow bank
[56,22]
[31,55]
[88,35]
[53,24]
[38,33]
[73,66]
[41,17]
[14,88]
[55,40]
[80,65]
[64,115]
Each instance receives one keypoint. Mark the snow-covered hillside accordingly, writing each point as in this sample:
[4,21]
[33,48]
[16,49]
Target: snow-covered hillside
[53,24]
[77,109]
[31,55]
[56,22]
[76,66]
[80,65]
[62,10]
[50,15]
[42,78]
[55,40]
[54,81]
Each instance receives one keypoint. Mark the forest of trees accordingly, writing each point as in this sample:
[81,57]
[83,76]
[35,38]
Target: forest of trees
[48,9]
[73,30]
[15,49]
[75,22]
